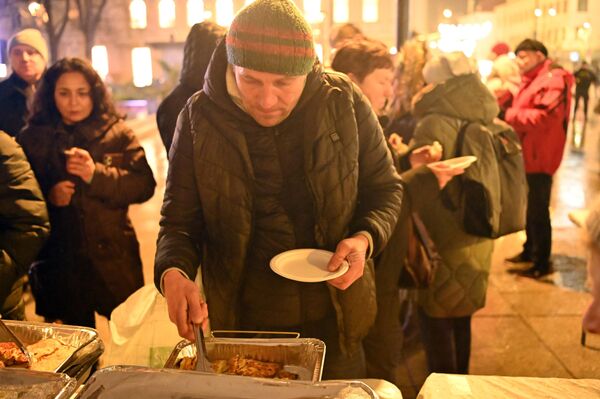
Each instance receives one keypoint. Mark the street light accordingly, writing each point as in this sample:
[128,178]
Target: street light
[447,13]
[552,12]
[537,12]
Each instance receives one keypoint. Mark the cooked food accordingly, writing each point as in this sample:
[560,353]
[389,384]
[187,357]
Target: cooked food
[11,355]
[46,354]
[240,365]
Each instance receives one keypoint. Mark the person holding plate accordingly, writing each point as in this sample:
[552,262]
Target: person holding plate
[273,155]
[454,96]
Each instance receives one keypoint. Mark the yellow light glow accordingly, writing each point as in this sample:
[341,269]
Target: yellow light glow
[195,12]
[141,61]
[319,51]
[137,13]
[248,2]
[34,7]
[166,13]
[447,13]
[537,12]
[552,12]
[370,10]
[341,11]
[100,60]
[312,11]
[587,25]
[225,12]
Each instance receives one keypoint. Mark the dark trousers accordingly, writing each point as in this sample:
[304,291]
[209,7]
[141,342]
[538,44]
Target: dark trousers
[539,230]
[383,345]
[447,343]
[586,100]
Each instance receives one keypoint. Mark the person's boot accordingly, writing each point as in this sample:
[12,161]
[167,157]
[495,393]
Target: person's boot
[523,257]
[538,270]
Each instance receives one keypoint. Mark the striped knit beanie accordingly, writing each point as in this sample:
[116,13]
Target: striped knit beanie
[271,36]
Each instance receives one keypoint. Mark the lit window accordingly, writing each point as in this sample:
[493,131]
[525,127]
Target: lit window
[312,11]
[370,10]
[341,11]
[166,13]
[100,60]
[141,60]
[137,12]
[224,12]
[195,11]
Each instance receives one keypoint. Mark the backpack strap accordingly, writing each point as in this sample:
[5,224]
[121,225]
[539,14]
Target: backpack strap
[460,139]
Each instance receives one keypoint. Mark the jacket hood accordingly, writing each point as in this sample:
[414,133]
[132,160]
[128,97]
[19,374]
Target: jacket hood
[215,87]
[199,46]
[464,97]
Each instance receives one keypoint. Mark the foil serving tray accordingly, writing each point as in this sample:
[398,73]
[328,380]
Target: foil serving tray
[126,382]
[21,383]
[303,356]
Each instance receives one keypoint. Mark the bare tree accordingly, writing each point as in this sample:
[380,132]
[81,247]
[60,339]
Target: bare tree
[55,20]
[90,12]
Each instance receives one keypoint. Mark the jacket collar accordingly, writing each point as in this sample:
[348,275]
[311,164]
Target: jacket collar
[91,130]
[537,70]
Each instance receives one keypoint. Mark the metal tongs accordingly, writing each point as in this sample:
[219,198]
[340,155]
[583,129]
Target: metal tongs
[202,362]
[6,335]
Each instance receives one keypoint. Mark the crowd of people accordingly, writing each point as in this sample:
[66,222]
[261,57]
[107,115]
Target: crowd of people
[270,151]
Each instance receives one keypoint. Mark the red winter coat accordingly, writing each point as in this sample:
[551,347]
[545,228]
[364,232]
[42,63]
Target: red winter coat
[540,113]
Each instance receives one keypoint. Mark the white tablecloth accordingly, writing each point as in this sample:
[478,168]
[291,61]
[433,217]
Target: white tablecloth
[449,386]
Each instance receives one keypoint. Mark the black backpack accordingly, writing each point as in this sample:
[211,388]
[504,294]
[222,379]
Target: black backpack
[491,196]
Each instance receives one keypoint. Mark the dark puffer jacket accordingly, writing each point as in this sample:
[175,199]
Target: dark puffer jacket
[92,248]
[23,224]
[13,104]
[459,287]
[208,215]
[199,46]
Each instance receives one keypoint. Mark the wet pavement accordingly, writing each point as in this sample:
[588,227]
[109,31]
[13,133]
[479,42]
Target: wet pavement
[527,328]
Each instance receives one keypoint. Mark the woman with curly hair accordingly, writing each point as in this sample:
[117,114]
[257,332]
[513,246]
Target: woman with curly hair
[91,168]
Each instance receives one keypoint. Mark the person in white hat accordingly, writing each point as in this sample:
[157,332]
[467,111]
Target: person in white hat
[28,57]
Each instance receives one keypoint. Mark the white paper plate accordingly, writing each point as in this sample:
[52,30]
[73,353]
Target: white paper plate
[306,265]
[460,162]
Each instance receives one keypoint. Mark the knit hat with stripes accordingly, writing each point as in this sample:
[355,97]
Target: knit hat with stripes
[271,36]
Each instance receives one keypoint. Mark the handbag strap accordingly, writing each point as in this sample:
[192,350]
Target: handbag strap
[423,235]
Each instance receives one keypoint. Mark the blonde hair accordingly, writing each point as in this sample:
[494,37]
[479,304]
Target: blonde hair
[408,79]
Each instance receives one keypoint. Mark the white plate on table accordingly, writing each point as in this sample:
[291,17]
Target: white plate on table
[306,265]
[455,163]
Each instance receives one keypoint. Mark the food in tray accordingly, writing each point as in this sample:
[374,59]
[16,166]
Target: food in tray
[47,354]
[11,355]
[240,365]
[42,390]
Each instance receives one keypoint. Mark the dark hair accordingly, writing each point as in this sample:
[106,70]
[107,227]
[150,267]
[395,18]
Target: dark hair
[44,107]
[344,32]
[532,45]
[361,58]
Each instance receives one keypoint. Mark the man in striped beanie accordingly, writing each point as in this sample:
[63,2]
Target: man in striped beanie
[275,155]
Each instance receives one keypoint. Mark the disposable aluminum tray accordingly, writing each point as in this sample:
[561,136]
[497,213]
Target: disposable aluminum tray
[303,356]
[20,383]
[87,344]
[126,382]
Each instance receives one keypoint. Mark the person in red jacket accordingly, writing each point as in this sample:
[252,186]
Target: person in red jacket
[539,114]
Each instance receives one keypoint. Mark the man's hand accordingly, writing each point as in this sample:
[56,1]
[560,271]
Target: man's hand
[184,302]
[396,142]
[426,154]
[60,194]
[353,250]
[445,173]
[80,163]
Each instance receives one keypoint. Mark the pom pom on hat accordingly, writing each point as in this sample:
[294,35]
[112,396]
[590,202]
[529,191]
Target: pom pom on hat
[446,66]
[500,48]
[32,38]
[271,36]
